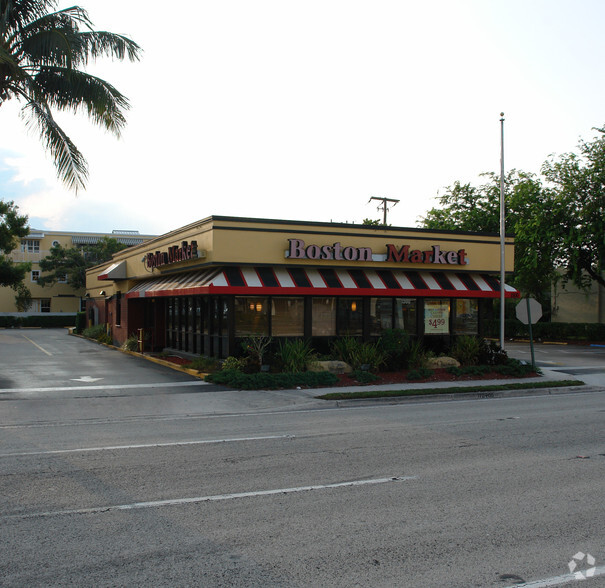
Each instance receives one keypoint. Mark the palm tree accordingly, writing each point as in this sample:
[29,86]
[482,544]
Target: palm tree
[42,52]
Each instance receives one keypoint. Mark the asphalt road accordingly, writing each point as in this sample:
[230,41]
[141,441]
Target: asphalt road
[147,477]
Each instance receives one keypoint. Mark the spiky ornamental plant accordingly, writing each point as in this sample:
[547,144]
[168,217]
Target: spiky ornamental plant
[42,53]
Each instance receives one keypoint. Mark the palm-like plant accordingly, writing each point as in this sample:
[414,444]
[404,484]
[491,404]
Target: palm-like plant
[42,51]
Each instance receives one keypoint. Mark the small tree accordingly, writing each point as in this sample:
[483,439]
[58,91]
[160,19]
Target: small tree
[72,262]
[13,227]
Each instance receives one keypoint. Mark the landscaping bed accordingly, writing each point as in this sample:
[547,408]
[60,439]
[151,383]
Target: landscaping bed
[438,375]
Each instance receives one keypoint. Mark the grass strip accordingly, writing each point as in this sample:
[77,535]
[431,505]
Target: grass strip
[449,390]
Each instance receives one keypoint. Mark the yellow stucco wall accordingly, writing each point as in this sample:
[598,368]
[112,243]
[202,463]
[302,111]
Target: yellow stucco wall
[238,241]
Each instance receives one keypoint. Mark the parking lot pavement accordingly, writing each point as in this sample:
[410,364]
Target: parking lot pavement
[49,358]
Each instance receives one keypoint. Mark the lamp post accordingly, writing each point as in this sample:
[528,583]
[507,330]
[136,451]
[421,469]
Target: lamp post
[502,230]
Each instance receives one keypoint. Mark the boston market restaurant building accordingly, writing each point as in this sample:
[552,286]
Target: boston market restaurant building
[204,288]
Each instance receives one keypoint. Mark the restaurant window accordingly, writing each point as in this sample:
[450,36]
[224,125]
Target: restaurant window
[436,316]
[381,315]
[324,317]
[405,315]
[466,316]
[287,317]
[251,316]
[349,317]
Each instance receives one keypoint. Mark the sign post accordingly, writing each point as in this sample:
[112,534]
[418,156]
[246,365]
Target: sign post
[529,312]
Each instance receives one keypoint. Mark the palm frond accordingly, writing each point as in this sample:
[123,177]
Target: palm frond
[68,89]
[69,162]
[104,44]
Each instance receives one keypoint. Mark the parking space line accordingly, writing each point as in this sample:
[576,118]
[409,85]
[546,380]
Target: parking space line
[145,446]
[213,498]
[36,345]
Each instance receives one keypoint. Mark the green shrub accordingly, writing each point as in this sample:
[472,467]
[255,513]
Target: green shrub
[395,344]
[469,370]
[105,338]
[132,343]
[357,353]
[490,353]
[268,381]
[295,355]
[80,322]
[204,364]
[513,367]
[416,354]
[466,349]
[364,377]
[419,374]
[95,331]
[233,363]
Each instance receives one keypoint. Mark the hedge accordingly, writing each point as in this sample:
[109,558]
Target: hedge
[589,332]
[46,322]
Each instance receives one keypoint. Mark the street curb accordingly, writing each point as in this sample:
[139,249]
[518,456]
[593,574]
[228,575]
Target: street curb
[497,394]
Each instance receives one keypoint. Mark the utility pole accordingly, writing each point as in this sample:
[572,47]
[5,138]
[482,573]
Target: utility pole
[384,207]
[502,231]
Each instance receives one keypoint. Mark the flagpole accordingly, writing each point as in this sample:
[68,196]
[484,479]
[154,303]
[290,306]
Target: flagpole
[502,230]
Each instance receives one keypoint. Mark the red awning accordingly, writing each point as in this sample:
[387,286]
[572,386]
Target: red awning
[292,281]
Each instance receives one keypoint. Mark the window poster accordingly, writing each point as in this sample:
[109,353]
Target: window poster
[436,317]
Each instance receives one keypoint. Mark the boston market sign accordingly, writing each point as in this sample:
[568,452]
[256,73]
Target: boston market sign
[297,249]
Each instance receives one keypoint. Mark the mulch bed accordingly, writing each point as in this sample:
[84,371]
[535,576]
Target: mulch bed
[439,375]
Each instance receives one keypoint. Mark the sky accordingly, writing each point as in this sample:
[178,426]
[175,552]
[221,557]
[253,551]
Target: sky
[295,110]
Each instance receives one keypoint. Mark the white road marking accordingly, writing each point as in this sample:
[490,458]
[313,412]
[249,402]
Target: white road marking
[145,445]
[214,498]
[558,580]
[86,379]
[36,345]
[107,387]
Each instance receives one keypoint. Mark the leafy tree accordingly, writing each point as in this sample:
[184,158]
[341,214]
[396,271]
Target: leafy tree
[13,226]
[531,214]
[41,53]
[579,181]
[72,262]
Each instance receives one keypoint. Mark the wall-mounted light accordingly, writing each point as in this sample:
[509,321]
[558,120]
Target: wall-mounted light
[259,307]
[353,306]
[102,293]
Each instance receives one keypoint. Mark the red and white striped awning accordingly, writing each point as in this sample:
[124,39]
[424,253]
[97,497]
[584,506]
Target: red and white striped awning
[289,281]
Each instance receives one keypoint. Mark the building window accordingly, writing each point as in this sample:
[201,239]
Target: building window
[466,316]
[251,316]
[405,315]
[62,279]
[287,317]
[324,317]
[349,317]
[35,275]
[381,315]
[436,316]
[44,304]
[30,246]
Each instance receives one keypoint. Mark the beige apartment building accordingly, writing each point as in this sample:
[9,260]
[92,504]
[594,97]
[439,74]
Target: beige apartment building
[60,297]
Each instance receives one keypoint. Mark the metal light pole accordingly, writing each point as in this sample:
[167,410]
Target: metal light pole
[502,230]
